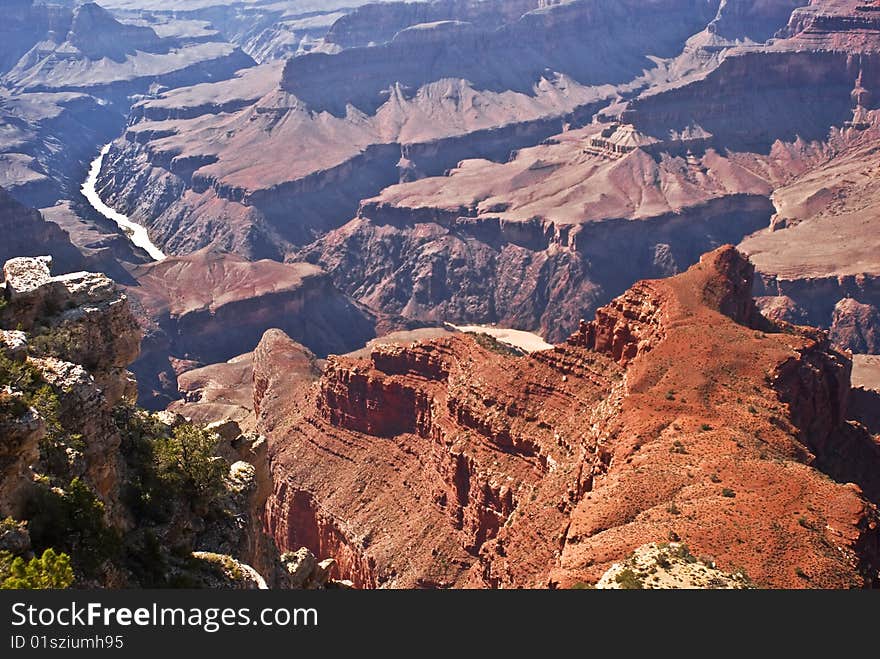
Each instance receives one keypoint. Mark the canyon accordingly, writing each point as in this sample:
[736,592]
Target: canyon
[529,196]
[486,293]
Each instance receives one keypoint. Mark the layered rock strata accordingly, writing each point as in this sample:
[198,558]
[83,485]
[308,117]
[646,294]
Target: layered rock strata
[680,414]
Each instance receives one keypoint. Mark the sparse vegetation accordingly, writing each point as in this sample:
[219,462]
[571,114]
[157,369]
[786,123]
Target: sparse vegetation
[684,553]
[165,466]
[56,342]
[715,478]
[494,345]
[705,427]
[186,460]
[34,391]
[800,573]
[51,570]
[678,447]
[145,491]
[72,520]
[727,492]
[629,580]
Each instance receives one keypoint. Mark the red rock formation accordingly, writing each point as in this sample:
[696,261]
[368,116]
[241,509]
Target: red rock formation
[678,413]
[856,327]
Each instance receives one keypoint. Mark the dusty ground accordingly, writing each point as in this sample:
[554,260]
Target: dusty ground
[528,341]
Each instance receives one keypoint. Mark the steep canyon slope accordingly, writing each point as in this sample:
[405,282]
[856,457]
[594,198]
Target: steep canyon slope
[67,79]
[209,307]
[679,414]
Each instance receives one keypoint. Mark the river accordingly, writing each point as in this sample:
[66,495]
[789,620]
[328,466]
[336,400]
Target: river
[135,232]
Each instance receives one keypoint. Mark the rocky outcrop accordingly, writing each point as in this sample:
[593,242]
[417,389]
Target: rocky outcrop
[696,423]
[856,327]
[668,566]
[845,305]
[633,324]
[222,571]
[437,265]
[96,34]
[76,337]
[218,391]
[82,317]
[137,499]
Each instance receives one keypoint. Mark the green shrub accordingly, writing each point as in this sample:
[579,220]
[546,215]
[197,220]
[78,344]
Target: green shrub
[57,342]
[50,570]
[187,460]
[145,492]
[727,492]
[494,345]
[628,580]
[73,520]
[21,376]
[37,393]
[683,553]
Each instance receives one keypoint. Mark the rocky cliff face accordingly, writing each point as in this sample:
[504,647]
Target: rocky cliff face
[489,56]
[710,158]
[136,499]
[856,327]
[27,233]
[77,337]
[542,252]
[846,305]
[679,413]
[379,23]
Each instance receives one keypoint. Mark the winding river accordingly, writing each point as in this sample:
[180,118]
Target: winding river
[135,232]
